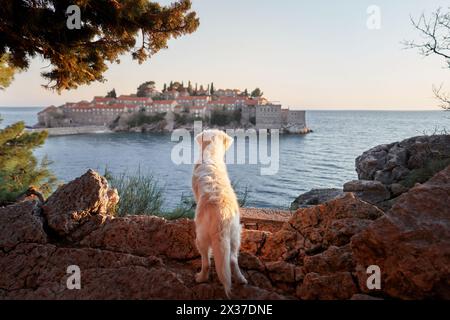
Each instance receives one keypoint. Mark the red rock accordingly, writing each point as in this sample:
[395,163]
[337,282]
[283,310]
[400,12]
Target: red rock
[411,243]
[328,287]
[19,223]
[253,240]
[334,222]
[285,244]
[280,271]
[250,262]
[332,260]
[259,279]
[146,235]
[264,219]
[312,230]
[76,202]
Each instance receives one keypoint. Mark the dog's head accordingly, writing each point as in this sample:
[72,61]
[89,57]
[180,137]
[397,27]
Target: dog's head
[213,140]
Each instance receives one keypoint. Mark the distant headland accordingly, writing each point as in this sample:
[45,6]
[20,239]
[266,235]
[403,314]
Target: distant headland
[176,106]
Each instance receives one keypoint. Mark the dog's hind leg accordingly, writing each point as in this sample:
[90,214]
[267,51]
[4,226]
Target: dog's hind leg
[203,248]
[235,241]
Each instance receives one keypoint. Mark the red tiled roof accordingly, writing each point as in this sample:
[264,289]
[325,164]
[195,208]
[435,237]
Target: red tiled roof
[103,99]
[124,97]
[231,99]
[193,98]
[251,102]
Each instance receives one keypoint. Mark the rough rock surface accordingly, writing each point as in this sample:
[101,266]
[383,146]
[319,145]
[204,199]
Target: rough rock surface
[264,219]
[315,197]
[411,243]
[398,166]
[20,223]
[76,202]
[320,252]
[369,190]
[311,251]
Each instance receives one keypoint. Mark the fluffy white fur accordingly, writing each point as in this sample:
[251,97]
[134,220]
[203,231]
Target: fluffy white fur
[217,214]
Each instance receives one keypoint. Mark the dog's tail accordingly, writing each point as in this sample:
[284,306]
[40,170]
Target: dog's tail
[221,252]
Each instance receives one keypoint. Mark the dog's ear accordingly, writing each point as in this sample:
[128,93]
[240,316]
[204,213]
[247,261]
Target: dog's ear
[199,138]
[227,141]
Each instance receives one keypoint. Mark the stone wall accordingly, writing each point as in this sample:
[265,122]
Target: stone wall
[268,117]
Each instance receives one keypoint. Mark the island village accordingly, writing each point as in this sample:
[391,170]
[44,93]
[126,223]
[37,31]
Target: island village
[175,106]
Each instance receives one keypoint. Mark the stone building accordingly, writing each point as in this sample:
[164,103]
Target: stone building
[268,116]
[160,106]
[97,114]
[190,101]
[141,101]
[293,121]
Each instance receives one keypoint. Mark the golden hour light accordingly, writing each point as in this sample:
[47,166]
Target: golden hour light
[225,159]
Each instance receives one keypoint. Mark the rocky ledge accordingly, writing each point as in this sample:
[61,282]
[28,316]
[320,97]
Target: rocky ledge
[320,252]
[389,170]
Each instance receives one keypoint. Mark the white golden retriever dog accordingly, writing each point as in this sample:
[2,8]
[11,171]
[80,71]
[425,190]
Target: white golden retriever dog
[217,215]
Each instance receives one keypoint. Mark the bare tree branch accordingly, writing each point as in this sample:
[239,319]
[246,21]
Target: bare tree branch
[435,32]
[442,97]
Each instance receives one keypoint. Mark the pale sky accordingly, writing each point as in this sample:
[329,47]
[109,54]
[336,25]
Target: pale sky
[305,54]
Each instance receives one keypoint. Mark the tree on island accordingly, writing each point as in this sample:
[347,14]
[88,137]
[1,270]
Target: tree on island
[435,30]
[175,86]
[145,89]
[212,90]
[245,92]
[164,88]
[111,94]
[109,28]
[257,93]
[19,169]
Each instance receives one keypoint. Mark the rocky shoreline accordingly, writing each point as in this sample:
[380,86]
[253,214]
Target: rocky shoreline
[64,131]
[322,251]
[149,128]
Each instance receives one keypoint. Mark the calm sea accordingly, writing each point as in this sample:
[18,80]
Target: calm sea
[322,159]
